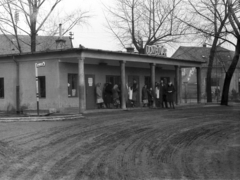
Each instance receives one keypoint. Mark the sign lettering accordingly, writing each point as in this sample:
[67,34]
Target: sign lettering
[156,50]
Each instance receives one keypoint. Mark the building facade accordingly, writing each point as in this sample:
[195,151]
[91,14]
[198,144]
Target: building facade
[69,76]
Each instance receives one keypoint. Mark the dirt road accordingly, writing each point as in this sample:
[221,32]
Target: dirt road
[193,143]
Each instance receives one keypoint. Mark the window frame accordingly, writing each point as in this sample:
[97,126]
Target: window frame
[42,94]
[114,79]
[3,87]
[148,81]
[71,85]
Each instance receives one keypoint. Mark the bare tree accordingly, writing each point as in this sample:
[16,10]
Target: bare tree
[234,10]
[145,22]
[36,14]
[209,20]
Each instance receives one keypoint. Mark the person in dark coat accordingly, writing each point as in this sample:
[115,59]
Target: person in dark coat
[163,93]
[150,97]
[135,91]
[170,94]
[145,96]
[108,94]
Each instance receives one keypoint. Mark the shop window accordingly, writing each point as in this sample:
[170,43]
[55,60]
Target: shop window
[42,86]
[1,87]
[72,85]
[113,79]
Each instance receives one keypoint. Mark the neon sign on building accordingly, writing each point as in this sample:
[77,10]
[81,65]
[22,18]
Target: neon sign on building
[156,50]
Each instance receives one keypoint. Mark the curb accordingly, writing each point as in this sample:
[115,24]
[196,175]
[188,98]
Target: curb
[35,119]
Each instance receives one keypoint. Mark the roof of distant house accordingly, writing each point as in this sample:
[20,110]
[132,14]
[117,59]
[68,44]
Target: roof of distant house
[8,43]
[202,54]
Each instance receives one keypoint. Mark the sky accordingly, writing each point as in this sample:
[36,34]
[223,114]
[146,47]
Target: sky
[94,34]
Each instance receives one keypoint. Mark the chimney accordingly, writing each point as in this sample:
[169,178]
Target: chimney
[60,31]
[130,49]
[60,42]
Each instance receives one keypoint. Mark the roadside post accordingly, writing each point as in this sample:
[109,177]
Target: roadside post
[37,65]
[185,96]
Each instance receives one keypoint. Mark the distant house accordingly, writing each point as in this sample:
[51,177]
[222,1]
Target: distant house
[8,43]
[221,63]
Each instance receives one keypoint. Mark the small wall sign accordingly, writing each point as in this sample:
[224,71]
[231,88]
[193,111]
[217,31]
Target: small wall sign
[42,64]
[90,81]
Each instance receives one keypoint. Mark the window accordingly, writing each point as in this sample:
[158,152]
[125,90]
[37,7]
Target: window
[1,87]
[167,78]
[113,79]
[41,86]
[147,81]
[72,85]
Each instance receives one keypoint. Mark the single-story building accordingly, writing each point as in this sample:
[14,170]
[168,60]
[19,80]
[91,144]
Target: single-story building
[67,77]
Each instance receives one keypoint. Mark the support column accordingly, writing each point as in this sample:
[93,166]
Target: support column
[153,67]
[180,85]
[123,84]
[177,84]
[199,82]
[81,86]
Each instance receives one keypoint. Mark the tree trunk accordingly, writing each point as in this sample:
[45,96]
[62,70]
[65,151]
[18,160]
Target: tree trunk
[229,74]
[33,42]
[209,69]
[33,21]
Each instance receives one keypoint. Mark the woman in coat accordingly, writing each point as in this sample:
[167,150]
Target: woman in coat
[108,95]
[170,94]
[145,96]
[130,95]
[150,97]
[99,96]
[115,94]
[157,94]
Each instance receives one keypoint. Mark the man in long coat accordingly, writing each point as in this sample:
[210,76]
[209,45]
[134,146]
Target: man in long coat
[163,93]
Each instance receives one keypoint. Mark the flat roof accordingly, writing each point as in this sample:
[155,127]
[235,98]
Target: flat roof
[76,53]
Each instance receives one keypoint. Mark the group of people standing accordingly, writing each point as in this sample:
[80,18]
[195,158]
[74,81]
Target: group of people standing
[110,95]
[163,95]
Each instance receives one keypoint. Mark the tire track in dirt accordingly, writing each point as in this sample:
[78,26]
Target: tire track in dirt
[30,156]
[142,145]
[52,143]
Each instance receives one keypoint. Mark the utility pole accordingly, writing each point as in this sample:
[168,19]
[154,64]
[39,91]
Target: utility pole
[16,16]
